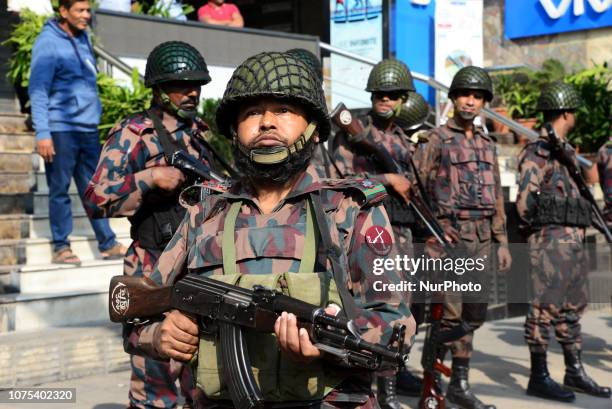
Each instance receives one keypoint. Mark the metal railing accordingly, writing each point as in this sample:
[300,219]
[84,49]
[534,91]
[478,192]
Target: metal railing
[114,62]
[439,87]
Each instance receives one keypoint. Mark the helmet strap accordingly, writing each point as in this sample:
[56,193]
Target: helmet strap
[278,154]
[181,113]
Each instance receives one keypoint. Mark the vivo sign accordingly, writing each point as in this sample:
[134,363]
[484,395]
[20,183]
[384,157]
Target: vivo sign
[526,18]
[554,12]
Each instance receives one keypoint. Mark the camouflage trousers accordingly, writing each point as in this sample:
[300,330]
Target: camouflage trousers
[559,277]
[476,245]
[153,383]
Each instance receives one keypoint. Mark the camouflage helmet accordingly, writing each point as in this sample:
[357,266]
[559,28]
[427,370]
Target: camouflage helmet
[390,75]
[175,61]
[559,96]
[474,78]
[413,112]
[308,58]
[277,75]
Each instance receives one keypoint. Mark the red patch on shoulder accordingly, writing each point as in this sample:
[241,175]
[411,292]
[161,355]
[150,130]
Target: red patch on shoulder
[379,240]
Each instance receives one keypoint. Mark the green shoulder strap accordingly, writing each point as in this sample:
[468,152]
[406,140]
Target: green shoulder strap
[229,246]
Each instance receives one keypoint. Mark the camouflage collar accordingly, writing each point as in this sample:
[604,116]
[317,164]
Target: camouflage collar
[173,123]
[452,125]
[308,182]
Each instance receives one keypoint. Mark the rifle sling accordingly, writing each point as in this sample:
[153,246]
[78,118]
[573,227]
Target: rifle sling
[333,254]
[169,144]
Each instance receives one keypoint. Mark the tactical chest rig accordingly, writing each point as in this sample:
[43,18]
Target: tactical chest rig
[553,208]
[154,225]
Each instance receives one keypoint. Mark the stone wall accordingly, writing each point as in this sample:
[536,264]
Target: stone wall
[575,49]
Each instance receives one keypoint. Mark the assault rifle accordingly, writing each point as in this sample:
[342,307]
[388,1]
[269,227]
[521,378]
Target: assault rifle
[431,395]
[358,137]
[566,160]
[224,310]
[193,168]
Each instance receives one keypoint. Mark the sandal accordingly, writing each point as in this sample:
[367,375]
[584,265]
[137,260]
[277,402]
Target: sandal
[114,253]
[65,256]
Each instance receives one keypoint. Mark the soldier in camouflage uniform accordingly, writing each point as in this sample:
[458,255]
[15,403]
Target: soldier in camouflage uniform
[460,170]
[547,197]
[604,167]
[389,83]
[274,110]
[412,119]
[133,179]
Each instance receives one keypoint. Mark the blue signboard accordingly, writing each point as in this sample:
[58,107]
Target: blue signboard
[412,40]
[528,18]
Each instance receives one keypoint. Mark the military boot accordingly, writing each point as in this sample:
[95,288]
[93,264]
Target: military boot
[542,385]
[577,379]
[408,384]
[459,394]
[387,392]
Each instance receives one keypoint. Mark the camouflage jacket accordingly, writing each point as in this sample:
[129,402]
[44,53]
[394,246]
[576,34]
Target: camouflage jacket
[604,166]
[353,163]
[273,243]
[123,180]
[540,172]
[462,177]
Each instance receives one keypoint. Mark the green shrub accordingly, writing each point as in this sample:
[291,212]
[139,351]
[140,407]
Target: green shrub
[119,102]
[593,118]
[519,91]
[21,42]
[222,145]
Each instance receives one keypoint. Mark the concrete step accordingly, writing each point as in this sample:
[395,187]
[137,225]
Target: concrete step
[27,312]
[39,225]
[92,275]
[40,250]
[18,141]
[17,182]
[14,226]
[33,357]
[15,203]
[12,252]
[10,120]
[18,161]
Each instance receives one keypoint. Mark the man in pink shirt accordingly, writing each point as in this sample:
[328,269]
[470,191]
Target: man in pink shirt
[220,13]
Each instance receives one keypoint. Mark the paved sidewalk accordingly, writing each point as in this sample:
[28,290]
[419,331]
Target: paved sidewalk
[499,375]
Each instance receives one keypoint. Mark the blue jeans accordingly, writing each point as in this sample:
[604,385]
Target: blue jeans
[76,154]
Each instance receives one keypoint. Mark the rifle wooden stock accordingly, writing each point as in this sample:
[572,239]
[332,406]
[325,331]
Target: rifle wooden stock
[137,297]
[346,121]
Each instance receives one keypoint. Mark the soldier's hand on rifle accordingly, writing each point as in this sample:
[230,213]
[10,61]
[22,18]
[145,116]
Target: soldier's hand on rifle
[451,234]
[177,337]
[45,149]
[294,341]
[167,178]
[504,259]
[400,184]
